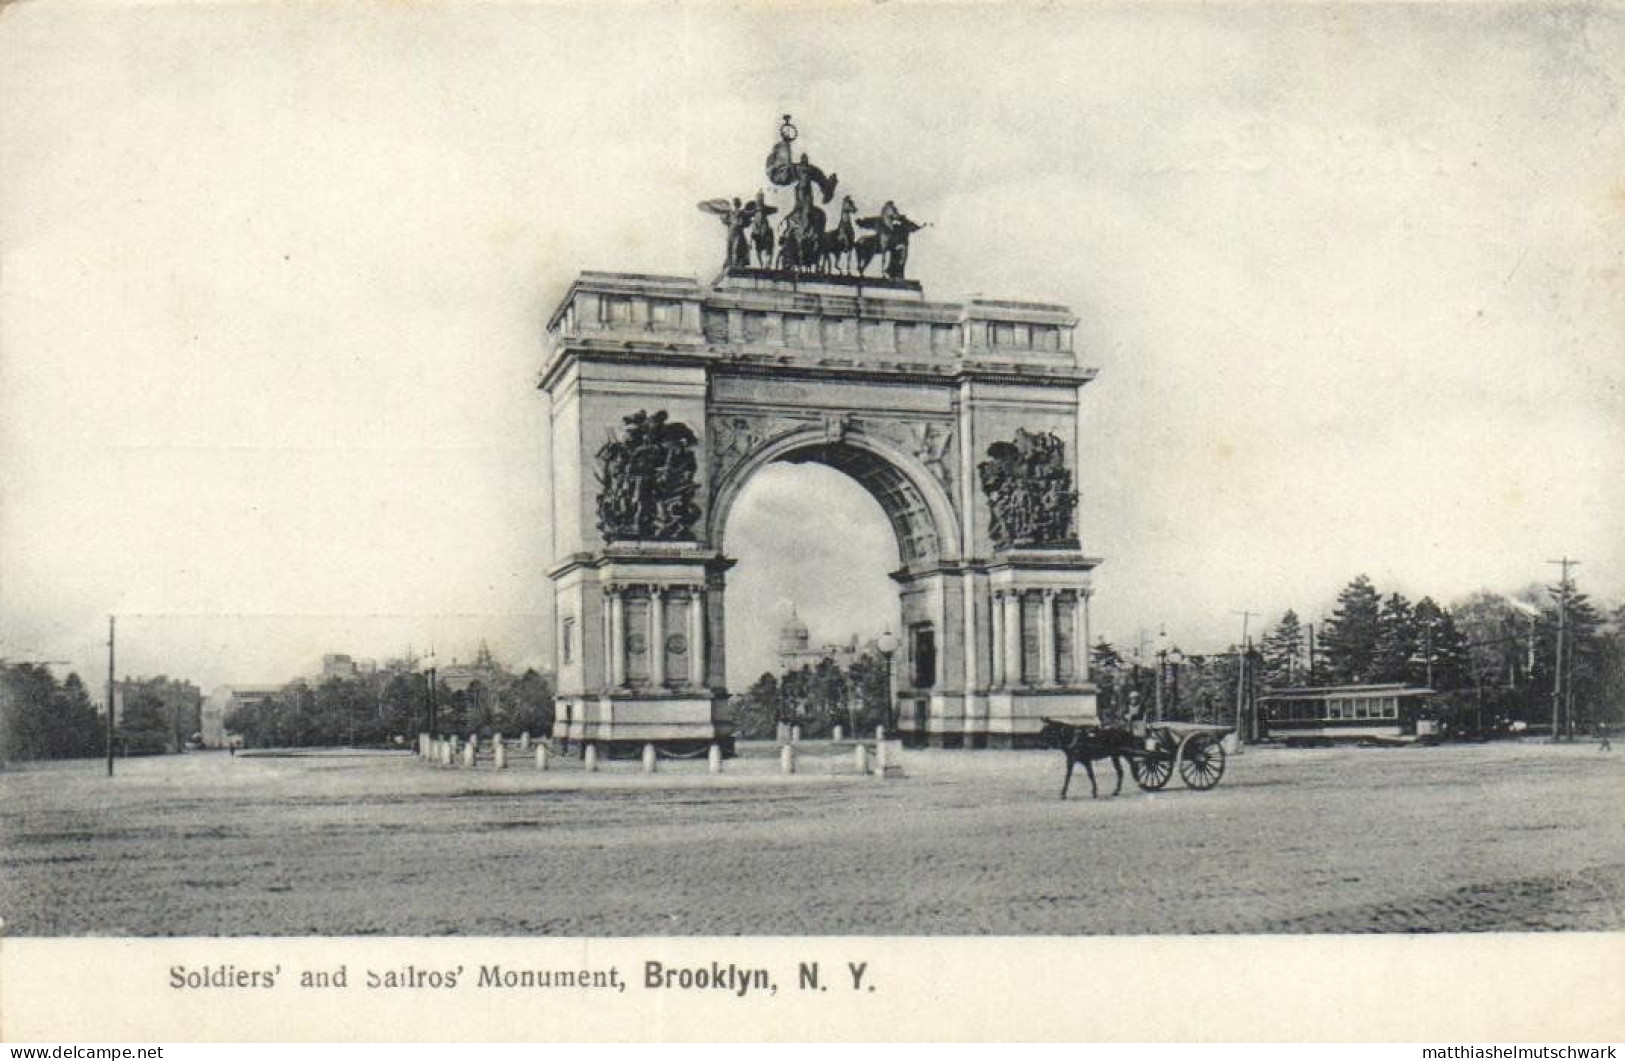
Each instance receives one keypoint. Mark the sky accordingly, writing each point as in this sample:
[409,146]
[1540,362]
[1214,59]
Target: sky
[273,282]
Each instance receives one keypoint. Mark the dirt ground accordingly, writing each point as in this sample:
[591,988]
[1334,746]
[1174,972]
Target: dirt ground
[1453,839]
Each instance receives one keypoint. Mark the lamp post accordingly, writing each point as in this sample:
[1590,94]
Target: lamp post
[1174,659]
[432,705]
[888,644]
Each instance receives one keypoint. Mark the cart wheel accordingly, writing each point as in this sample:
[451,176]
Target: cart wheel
[1151,773]
[1201,761]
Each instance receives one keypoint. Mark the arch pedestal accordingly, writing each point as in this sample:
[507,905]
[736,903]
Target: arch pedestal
[666,396]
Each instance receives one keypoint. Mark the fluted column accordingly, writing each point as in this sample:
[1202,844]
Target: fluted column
[997,659]
[1046,637]
[1012,639]
[1080,636]
[617,637]
[696,636]
[657,636]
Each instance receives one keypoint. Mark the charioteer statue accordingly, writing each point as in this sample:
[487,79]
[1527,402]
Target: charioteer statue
[802,244]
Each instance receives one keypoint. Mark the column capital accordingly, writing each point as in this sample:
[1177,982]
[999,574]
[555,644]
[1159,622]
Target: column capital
[613,589]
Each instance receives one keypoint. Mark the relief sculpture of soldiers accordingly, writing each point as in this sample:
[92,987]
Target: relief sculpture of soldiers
[804,243]
[647,481]
[1029,491]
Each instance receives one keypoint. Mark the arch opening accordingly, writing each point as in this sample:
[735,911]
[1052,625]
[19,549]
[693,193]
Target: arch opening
[814,550]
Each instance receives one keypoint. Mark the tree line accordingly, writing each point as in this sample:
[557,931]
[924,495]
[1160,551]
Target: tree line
[391,707]
[1491,657]
[817,697]
[43,718]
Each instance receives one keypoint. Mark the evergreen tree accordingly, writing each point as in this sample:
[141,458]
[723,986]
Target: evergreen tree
[1350,637]
[1397,640]
[1283,652]
[1441,651]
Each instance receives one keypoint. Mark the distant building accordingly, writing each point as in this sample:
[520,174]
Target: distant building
[223,701]
[796,649]
[485,670]
[346,668]
[1347,712]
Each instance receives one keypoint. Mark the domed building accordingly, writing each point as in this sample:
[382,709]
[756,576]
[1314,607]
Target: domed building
[796,649]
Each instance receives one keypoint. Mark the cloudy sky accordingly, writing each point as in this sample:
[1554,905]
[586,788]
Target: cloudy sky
[273,282]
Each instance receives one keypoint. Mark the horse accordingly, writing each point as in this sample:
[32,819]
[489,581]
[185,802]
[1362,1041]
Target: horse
[865,250]
[801,238]
[1086,745]
[761,235]
[836,245]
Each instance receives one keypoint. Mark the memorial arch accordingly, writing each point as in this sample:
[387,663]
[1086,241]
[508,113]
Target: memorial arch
[960,418]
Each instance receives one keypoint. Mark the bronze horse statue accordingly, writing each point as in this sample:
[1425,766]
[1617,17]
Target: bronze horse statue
[761,232]
[840,242]
[1087,745]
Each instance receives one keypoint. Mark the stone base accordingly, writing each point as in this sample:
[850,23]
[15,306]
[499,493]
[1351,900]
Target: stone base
[997,719]
[674,720]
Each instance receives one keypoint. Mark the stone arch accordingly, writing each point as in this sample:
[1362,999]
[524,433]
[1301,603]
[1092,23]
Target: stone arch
[919,510]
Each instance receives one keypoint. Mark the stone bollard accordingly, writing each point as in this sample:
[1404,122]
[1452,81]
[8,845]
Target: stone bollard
[860,758]
[649,758]
[541,756]
[474,743]
[838,734]
[713,759]
[445,753]
[468,754]
[795,734]
[501,753]
[880,734]
[880,758]
[787,759]
[589,759]
[524,741]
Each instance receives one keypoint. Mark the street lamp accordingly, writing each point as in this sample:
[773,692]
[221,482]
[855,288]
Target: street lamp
[432,705]
[888,644]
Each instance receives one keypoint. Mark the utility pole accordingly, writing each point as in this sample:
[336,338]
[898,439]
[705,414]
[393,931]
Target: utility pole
[1241,669]
[112,692]
[1561,679]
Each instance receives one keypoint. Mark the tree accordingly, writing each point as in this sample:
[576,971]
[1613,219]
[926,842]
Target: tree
[756,714]
[1282,650]
[870,679]
[1105,668]
[1397,640]
[528,705]
[1441,657]
[1350,638]
[144,728]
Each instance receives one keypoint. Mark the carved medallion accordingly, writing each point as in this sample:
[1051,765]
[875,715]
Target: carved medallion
[1029,491]
[647,481]
[676,645]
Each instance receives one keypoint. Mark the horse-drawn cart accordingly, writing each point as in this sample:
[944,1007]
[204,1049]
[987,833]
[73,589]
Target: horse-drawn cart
[1154,751]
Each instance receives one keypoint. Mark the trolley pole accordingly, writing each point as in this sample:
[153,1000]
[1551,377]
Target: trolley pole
[1241,674]
[112,692]
[1560,678]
